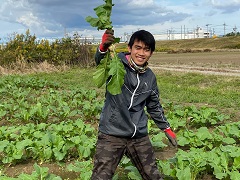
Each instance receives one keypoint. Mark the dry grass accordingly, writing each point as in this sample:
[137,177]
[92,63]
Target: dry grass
[25,68]
[203,43]
[214,44]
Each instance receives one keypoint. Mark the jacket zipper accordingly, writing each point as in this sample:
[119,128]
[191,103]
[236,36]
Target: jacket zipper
[131,103]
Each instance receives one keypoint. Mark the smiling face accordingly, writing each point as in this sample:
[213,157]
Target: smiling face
[140,53]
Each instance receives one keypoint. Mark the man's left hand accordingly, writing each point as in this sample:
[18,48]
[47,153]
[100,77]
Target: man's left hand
[171,136]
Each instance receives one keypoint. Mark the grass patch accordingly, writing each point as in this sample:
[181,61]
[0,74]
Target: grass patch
[218,91]
[193,87]
[76,77]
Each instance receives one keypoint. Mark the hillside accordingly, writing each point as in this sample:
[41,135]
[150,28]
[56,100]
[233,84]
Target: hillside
[203,43]
[211,43]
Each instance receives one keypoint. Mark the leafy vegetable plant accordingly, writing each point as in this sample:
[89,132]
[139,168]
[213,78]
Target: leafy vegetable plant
[111,65]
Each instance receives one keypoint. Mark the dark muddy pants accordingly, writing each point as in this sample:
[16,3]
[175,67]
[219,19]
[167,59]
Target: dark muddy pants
[110,150]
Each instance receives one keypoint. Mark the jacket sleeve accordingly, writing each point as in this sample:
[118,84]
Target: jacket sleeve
[99,56]
[154,108]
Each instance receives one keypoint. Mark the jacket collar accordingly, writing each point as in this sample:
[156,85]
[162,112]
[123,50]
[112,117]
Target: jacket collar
[131,64]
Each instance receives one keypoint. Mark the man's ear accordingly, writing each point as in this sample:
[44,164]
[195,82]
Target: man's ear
[129,49]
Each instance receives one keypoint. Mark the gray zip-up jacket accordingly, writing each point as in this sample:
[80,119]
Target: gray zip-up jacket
[124,114]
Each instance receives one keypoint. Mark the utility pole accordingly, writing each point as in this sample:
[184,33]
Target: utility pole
[65,32]
[181,32]
[197,31]
[235,30]
[184,32]
[207,30]
[224,28]
[172,35]
[168,34]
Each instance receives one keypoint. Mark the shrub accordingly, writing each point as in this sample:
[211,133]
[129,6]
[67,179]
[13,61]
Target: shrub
[27,49]
[234,46]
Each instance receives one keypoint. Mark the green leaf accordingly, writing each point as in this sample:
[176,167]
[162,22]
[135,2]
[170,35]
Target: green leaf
[234,175]
[116,40]
[184,173]
[133,172]
[157,142]
[117,73]
[229,140]
[166,168]
[47,153]
[41,171]
[100,11]
[22,144]
[203,133]
[59,155]
[236,163]
[28,176]
[101,75]
[93,21]
[3,144]
[103,13]
[182,141]
[233,151]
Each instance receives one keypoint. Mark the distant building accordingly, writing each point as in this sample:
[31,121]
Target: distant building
[196,33]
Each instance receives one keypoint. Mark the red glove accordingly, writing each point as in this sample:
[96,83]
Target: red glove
[171,136]
[107,40]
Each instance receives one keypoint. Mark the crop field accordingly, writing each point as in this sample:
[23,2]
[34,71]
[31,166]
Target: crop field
[219,63]
[48,121]
[208,59]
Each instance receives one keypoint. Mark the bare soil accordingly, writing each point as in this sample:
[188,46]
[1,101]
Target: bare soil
[215,63]
[28,167]
[218,63]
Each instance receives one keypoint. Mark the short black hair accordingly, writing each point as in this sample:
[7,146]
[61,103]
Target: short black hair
[144,36]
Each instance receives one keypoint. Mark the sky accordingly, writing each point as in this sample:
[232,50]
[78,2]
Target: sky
[55,18]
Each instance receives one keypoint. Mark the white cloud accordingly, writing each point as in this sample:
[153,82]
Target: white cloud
[29,20]
[52,18]
[141,3]
[219,3]
[226,6]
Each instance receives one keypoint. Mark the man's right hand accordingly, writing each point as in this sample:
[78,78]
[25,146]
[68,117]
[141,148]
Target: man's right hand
[171,136]
[107,39]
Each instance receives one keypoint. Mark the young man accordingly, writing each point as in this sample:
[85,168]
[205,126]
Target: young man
[123,121]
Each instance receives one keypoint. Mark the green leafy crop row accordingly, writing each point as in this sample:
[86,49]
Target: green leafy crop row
[37,100]
[39,173]
[47,142]
[52,123]
[222,163]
